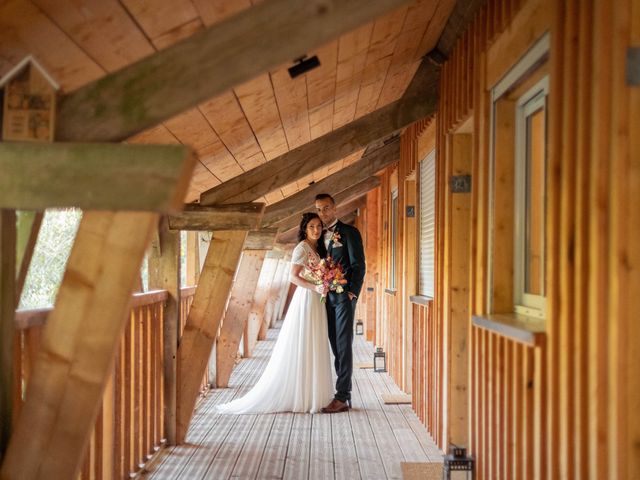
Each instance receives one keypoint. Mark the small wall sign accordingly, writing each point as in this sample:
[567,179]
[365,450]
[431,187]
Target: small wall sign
[411,211]
[460,183]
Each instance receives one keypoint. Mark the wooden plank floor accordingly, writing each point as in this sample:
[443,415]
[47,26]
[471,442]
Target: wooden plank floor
[369,442]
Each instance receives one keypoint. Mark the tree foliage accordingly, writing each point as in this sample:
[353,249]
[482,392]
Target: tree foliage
[50,256]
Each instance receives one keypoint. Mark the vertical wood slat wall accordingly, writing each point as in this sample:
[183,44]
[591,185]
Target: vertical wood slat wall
[393,308]
[595,394]
[507,397]
[574,397]
[426,395]
[462,92]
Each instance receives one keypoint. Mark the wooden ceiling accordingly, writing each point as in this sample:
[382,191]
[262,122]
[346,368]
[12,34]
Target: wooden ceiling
[79,41]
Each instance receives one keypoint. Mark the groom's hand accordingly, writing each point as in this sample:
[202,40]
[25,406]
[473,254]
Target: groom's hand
[351,296]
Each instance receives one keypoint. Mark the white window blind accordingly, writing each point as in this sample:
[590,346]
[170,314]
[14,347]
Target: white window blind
[427,223]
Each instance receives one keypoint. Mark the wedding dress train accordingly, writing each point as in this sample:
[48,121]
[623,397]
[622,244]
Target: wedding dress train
[298,376]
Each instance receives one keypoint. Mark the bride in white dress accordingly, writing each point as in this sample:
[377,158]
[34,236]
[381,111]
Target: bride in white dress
[298,377]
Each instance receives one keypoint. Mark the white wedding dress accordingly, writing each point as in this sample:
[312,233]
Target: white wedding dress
[298,377]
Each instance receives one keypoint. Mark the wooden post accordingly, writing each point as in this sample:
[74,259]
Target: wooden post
[7,329]
[237,314]
[284,287]
[409,280]
[254,323]
[372,241]
[260,307]
[457,312]
[282,271]
[77,352]
[204,319]
[164,274]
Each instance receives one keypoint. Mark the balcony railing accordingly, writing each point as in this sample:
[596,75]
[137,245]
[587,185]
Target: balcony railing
[129,428]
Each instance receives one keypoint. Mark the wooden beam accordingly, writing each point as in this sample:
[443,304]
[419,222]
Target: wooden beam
[369,165]
[7,328]
[341,198]
[261,239]
[201,328]
[274,258]
[284,287]
[420,101]
[80,341]
[164,274]
[273,303]
[94,177]
[28,229]
[463,13]
[243,216]
[252,330]
[204,65]
[237,314]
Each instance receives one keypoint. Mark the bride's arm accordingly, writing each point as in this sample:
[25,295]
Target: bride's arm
[296,279]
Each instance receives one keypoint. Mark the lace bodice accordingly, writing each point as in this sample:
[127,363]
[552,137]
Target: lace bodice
[304,255]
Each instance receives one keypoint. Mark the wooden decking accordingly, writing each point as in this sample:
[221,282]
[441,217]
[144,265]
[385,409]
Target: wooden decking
[368,442]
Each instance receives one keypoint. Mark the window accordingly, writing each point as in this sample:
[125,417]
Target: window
[427,223]
[530,200]
[518,186]
[394,237]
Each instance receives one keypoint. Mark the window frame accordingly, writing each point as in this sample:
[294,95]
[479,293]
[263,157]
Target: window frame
[528,64]
[530,102]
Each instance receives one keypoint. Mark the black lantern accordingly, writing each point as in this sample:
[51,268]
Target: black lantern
[359,327]
[458,461]
[379,360]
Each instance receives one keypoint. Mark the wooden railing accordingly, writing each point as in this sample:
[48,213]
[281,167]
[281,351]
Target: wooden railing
[138,388]
[129,428]
[427,392]
[508,396]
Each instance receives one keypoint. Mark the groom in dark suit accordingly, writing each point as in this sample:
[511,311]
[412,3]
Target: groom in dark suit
[344,244]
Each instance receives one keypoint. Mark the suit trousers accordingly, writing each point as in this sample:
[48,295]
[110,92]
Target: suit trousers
[340,317]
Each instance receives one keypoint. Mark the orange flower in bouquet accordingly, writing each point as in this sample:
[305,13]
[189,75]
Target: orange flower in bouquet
[330,274]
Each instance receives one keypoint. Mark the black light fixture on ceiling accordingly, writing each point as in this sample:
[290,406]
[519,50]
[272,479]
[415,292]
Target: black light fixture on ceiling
[303,65]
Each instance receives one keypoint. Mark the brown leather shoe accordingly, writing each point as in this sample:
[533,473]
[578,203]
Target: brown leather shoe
[336,406]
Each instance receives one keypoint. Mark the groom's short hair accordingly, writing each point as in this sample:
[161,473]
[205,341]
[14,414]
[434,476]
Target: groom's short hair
[323,196]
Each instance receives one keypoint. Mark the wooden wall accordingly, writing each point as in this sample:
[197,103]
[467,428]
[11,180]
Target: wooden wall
[566,403]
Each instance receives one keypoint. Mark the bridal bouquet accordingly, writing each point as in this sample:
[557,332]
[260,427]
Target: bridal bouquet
[330,274]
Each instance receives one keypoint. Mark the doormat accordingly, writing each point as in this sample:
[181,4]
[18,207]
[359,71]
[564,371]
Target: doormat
[364,365]
[421,471]
[394,399]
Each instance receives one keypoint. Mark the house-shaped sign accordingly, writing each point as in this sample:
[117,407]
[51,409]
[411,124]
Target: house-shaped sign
[28,96]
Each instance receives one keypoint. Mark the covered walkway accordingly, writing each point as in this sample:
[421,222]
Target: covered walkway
[370,441]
